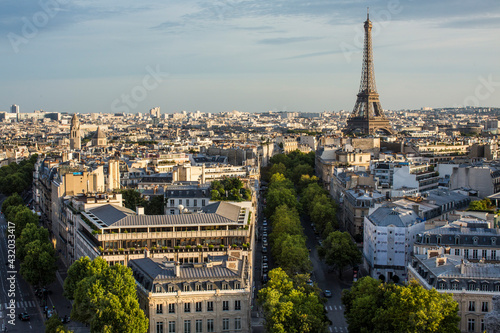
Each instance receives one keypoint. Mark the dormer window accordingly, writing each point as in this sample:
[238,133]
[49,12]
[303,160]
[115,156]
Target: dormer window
[225,286]
[210,286]
[186,287]
[158,288]
[475,239]
[493,240]
[457,240]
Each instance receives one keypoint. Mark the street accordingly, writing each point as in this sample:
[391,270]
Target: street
[15,296]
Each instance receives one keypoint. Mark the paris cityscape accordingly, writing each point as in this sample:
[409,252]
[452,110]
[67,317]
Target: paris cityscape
[215,167]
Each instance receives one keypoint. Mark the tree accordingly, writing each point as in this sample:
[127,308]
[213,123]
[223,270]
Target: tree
[289,308]
[107,301]
[300,170]
[29,234]
[374,306]
[277,168]
[132,198]
[155,205]
[286,220]
[339,251]
[39,265]
[481,205]
[280,196]
[81,269]
[305,181]
[23,216]
[12,201]
[291,253]
[54,325]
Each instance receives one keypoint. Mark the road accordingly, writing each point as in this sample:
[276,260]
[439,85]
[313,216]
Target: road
[15,295]
[328,280]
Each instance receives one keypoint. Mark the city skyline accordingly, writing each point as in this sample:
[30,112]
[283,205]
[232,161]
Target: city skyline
[250,56]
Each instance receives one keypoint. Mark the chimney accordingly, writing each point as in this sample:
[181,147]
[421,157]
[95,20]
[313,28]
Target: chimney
[415,208]
[139,210]
[177,269]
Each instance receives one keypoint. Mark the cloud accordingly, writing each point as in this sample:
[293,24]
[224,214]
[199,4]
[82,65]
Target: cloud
[286,40]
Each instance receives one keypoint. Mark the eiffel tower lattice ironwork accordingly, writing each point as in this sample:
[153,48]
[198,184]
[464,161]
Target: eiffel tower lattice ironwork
[368,116]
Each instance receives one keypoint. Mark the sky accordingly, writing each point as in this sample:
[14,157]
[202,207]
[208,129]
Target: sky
[247,55]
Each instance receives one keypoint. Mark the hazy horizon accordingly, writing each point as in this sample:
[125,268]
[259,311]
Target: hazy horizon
[245,55]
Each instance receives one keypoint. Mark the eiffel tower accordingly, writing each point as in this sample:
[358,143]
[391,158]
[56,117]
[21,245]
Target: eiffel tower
[367,117]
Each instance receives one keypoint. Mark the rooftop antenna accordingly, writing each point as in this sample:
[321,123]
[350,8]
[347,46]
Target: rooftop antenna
[367,13]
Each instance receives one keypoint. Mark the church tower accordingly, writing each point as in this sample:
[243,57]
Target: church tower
[75,140]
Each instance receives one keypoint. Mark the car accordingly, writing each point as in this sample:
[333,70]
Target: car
[264,224]
[264,243]
[264,259]
[264,249]
[265,278]
[327,293]
[310,282]
[24,316]
[264,229]
[264,234]
[265,268]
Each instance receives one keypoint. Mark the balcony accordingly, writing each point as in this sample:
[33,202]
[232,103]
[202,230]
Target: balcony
[173,235]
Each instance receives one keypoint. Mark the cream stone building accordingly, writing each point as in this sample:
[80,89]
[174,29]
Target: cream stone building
[206,297]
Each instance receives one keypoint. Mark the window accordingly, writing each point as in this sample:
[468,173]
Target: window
[442,285]
[457,252]
[199,326]
[466,253]
[472,306]
[171,327]
[483,326]
[484,255]
[454,286]
[210,325]
[158,288]
[471,323]
[225,305]
[497,287]
[187,307]
[457,240]
[237,285]
[172,211]
[484,287]
[210,286]
[180,201]
[198,306]
[187,202]
[198,287]
[225,324]
[237,323]
[225,286]
[187,326]
[170,289]
[186,286]
[493,254]
[171,308]
[159,327]
[484,306]
[195,202]
[237,305]
[159,308]
[210,306]
[172,202]
[474,254]
[471,286]
[203,202]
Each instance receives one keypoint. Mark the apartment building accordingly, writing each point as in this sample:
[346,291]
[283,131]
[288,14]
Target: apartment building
[190,197]
[389,233]
[461,258]
[213,296]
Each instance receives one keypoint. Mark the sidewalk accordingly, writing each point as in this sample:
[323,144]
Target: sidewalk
[62,305]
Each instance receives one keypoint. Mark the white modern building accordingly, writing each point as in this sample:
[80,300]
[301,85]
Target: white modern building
[389,233]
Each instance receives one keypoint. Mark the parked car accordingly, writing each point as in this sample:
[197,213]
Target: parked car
[264,229]
[265,278]
[327,293]
[24,316]
[265,223]
[264,249]
[310,282]
[264,234]
[264,259]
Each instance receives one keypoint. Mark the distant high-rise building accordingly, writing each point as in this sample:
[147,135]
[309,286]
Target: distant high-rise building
[113,174]
[155,112]
[14,108]
[75,139]
[368,116]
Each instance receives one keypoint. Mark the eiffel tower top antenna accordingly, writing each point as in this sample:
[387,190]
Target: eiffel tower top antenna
[368,13]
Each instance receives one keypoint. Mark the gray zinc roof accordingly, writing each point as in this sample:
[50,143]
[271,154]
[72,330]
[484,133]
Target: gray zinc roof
[396,216]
